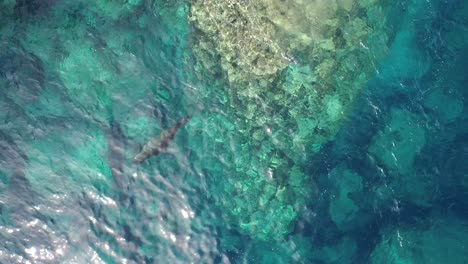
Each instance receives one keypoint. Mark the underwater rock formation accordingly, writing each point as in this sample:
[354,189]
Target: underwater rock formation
[290,78]
[446,104]
[436,241]
[343,209]
[6,10]
[396,149]
[398,145]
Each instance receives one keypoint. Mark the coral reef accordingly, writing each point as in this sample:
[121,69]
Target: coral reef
[290,77]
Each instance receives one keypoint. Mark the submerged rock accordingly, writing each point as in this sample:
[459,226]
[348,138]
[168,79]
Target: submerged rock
[446,104]
[343,209]
[23,72]
[396,148]
[398,144]
[300,249]
[289,79]
[27,8]
[437,240]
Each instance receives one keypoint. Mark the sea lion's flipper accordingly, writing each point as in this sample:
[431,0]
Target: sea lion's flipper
[170,150]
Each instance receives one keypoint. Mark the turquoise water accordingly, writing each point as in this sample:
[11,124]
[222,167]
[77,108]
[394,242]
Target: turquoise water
[321,131]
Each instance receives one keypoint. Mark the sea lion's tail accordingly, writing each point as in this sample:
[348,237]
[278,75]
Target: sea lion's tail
[185,120]
[181,123]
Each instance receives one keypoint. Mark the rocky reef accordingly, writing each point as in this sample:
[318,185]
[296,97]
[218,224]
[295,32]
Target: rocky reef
[287,72]
[438,241]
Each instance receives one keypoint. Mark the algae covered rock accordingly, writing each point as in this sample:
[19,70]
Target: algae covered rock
[342,252]
[6,10]
[405,59]
[301,249]
[396,148]
[242,36]
[446,104]
[399,143]
[435,241]
[93,65]
[343,209]
[85,79]
[96,86]
[256,199]
[289,78]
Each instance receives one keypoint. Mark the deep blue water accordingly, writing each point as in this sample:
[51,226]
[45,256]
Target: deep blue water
[83,86]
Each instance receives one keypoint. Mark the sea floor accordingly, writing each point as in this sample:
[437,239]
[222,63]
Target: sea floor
[353,151]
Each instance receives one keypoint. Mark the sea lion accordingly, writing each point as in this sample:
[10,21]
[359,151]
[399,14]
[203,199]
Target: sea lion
[160,143]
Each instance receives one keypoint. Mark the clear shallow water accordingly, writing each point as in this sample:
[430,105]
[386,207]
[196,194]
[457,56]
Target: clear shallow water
[83,86]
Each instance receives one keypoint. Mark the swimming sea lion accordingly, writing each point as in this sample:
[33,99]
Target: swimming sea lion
[160,143]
